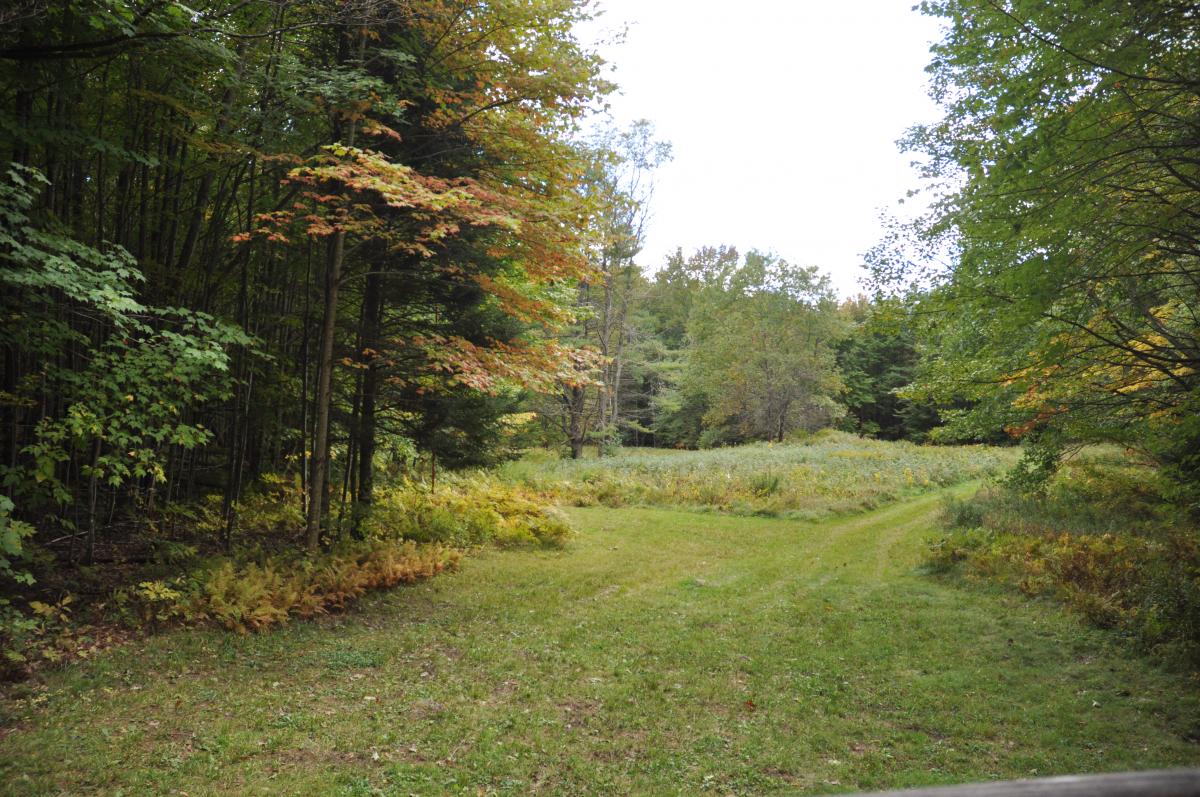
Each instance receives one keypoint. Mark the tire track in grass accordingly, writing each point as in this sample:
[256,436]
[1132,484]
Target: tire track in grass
[858,549]
[662,652]
[863,548]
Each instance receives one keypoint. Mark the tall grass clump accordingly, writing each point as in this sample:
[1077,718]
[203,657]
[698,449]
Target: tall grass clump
[1103,536]
[832,473]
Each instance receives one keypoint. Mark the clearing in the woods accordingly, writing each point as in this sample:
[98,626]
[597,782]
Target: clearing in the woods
[662,652]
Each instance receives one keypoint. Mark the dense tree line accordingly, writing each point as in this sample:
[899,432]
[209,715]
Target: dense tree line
[719,348]
[278,236]
[1059,266]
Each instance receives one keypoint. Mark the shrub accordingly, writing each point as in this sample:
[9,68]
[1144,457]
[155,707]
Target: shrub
[1102,537]
[13,532]
[960,514]
[765,483]
[947,552]
[467,511]
[412,533]
[271,509]
[152,602]
[42,635]
[547,528]
[251,595]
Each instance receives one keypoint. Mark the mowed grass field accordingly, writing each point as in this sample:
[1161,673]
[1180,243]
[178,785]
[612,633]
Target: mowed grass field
[661,652]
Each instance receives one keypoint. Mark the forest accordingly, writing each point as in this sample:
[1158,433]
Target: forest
[308,299]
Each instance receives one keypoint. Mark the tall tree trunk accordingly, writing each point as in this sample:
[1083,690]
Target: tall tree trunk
[93,495]
[320,456]
[371,320]
[192,237]
[240,411]
[304,402]
[575,398]
[12,442]
[320,463]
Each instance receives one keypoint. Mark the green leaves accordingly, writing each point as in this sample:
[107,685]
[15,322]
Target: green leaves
[761,352]
[12,533]
[142,364]
[47,266]
[1068,216]
[195,166]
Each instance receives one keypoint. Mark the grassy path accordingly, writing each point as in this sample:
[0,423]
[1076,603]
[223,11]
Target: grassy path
[661,653]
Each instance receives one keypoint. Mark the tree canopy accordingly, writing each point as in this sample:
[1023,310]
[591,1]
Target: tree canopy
[250,237]
[1066,217]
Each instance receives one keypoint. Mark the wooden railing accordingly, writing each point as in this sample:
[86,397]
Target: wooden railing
[1160,783]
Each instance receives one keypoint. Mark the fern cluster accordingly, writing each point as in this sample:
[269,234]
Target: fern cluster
[249,595]
[1102,536]
[467,511]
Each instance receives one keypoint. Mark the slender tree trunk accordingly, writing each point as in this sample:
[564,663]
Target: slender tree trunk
[192,237]
[333,278]
[13,411]
[371,320]
[304,402]
[239,433]
[320,455]
[576,398]
[93,494]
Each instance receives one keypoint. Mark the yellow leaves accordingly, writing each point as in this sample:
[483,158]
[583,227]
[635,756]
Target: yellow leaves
[1032,398]
[1150,342]
[1168,310]
[258,596]
[1016,376]
[516,300]
[541,366]
[516,420]
[1146,379]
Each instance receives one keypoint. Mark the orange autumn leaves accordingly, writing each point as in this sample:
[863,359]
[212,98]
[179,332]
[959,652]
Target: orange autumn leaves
[363,194]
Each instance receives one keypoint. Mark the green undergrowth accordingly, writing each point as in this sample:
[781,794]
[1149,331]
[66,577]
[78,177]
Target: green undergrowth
[1104,537]
[468,510]
[255,595]
[833,473]
[414,532]
[661,653]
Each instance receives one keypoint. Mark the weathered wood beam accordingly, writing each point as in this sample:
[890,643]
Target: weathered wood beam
[1157,783]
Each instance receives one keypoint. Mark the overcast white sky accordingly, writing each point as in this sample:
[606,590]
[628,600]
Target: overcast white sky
[783,115]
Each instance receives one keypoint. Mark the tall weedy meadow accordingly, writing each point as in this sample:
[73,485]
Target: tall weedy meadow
[831,473]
